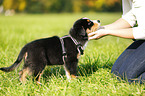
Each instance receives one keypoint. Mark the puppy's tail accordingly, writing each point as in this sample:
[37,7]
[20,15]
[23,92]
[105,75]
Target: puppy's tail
[17,62]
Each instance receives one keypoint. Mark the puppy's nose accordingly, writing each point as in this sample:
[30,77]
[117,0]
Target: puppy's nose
[98,21]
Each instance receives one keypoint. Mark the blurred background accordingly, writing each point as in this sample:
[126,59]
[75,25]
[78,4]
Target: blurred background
[10,7]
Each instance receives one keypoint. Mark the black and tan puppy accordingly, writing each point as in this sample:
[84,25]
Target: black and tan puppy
[55,51]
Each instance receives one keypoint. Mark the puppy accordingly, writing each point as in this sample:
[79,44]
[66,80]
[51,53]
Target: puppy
[55,51]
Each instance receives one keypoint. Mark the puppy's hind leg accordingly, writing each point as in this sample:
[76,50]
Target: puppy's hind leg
[23,73]
[38,77]
[38,73]
[26,70]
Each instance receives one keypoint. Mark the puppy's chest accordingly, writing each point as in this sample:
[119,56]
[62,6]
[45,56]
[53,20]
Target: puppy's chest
[74,51]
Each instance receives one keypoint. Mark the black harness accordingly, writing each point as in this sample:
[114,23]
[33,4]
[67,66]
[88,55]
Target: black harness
[78,45]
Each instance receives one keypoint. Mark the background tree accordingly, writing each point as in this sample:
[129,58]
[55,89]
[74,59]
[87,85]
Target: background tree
[45,6]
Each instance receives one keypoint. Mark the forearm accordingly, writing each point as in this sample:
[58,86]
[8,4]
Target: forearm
[124,33]
[119,24]
[120,28]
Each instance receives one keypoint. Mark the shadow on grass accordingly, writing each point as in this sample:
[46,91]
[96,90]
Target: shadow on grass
[85,68]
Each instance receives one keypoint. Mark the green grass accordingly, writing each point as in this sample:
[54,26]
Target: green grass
[94,68]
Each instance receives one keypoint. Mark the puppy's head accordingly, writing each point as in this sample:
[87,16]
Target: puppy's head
[83,27]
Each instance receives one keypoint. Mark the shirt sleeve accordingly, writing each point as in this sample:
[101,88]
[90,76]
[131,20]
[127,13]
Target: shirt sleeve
[139,9]
[130,18]
[127,12]
[136,13]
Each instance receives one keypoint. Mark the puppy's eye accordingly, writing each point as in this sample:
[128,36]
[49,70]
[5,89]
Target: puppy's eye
[88,20]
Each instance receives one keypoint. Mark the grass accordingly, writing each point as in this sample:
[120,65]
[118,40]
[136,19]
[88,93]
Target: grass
[94,68]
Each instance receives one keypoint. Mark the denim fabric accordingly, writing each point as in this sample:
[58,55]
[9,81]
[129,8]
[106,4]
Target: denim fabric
[131,63]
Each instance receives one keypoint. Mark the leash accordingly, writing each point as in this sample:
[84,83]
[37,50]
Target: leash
[79,47]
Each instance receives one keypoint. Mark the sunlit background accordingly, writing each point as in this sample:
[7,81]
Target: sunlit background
[10,7]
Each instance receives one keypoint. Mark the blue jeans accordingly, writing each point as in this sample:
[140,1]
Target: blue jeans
[131,63]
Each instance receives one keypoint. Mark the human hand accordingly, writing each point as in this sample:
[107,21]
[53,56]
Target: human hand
[97,34]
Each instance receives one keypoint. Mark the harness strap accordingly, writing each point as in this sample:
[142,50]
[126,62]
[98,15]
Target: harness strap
[79,47]
[64,56]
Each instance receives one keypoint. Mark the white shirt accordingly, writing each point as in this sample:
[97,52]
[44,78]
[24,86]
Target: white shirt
[134,10]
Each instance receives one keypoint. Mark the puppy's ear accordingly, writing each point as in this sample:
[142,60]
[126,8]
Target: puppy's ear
[72,32]
[79,33]
[82,31]
[83,34]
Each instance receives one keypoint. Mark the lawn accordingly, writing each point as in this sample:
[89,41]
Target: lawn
[94,68]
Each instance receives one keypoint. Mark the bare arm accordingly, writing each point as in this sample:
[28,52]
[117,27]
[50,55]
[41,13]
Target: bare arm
[119,24]
[124,33]
[120,28]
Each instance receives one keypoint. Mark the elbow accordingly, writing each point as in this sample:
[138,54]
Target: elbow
[139,33]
